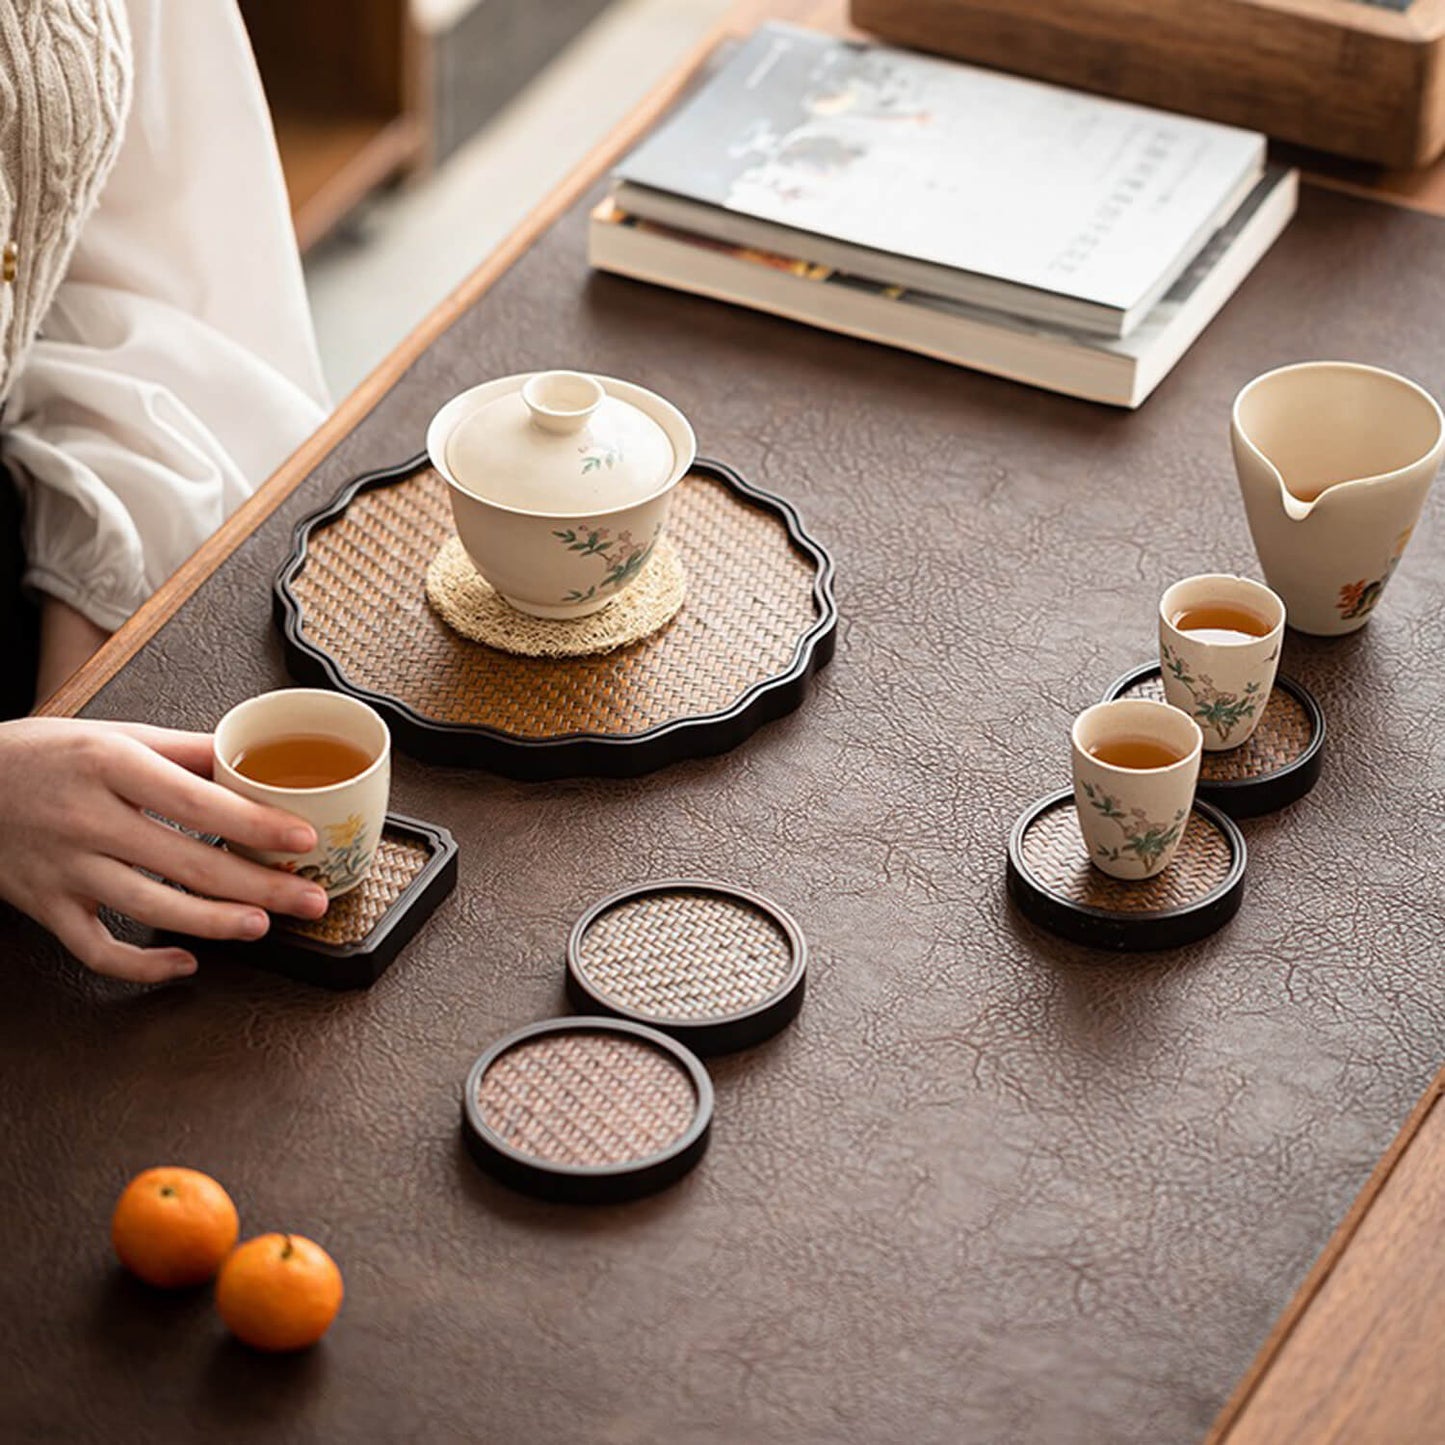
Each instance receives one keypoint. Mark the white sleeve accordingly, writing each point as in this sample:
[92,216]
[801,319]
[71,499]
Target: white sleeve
[176,367]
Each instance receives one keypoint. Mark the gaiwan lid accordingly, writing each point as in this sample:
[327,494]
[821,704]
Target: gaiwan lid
[559,442]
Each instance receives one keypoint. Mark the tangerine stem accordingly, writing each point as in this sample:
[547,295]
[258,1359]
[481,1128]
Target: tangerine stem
[286,1251]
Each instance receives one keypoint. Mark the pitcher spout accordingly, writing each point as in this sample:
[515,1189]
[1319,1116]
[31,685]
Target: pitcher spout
[1266,474]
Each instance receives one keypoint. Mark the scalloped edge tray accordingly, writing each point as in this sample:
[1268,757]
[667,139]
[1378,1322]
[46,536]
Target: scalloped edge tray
[572,754]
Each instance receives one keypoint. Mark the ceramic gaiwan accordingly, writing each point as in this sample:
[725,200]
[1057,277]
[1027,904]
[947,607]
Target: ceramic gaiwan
[560,484]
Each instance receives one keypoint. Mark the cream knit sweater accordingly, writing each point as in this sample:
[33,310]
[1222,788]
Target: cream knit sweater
[65,83]
[174,366]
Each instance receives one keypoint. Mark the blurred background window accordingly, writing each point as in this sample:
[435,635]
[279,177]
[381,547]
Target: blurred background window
[415,134]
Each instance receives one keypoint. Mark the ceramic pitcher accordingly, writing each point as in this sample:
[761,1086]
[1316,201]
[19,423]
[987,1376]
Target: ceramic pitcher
[1334,461]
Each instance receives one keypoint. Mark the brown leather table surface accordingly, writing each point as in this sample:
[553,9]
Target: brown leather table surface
[989,1186]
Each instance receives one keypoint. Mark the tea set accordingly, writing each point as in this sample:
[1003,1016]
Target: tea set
[560,484]
[1334,460]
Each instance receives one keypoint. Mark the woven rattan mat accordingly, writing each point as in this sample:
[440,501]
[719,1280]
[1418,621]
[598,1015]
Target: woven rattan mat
[1284,732]
[470,605]
[686,955]
[750,601]
[1054,852]
[352,917]
[587,1098]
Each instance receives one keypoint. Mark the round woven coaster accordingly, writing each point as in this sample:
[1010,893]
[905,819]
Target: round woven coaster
[587,1110]
[470,605]
[1055,885]
[1276,765]
[718,967]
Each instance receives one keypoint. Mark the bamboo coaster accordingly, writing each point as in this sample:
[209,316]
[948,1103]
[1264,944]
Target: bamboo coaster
[363,931]
[717,967]
[1055,885]
[1276,765]
[587,1110]
[469,605]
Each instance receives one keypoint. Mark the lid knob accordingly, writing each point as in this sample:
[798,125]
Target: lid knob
[561,401]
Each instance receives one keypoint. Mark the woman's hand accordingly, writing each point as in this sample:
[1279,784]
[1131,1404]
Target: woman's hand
[73,834]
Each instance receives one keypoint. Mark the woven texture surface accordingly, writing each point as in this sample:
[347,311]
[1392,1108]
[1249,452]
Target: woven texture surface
[363,598]
[470,605]
[352,917]
[686,955]
[1283,734]
[1054,851]
[587,1098]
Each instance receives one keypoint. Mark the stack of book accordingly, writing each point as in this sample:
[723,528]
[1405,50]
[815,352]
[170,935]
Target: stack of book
[1064,240]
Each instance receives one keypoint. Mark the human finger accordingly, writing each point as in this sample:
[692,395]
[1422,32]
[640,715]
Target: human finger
[147,780]
[129,892]
[192,751]
[101,952]
[213,872]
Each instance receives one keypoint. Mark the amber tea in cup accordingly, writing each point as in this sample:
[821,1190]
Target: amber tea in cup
[1221,623]
[302,760]
[1135,753]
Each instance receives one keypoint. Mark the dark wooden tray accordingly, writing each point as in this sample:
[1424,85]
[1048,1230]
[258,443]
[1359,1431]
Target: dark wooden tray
[364,930]
[759,621]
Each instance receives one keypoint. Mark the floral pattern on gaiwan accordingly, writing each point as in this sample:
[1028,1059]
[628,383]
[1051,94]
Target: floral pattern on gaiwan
[1221,711]
[622,556]
[595,457]
[346,859]
[1144,840]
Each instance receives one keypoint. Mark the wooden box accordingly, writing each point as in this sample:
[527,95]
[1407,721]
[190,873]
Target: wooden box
[1359,78]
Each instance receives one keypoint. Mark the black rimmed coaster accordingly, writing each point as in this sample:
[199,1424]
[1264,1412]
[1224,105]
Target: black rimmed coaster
[587,1110]
[1276,765]
[1055,885]
[363,931]
[718,967]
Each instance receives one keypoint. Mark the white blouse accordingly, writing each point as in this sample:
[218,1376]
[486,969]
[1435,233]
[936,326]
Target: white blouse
[176,367]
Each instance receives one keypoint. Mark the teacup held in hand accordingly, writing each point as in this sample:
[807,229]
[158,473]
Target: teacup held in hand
[1136,762]
[322,756]
[1334,461]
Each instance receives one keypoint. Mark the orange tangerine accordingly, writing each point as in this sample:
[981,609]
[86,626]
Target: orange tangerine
[279,1292]
[173,1227]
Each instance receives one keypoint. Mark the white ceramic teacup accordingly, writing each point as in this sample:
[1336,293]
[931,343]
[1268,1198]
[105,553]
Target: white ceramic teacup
[1222,683]
[1133,818]
[349,816]
[551,451]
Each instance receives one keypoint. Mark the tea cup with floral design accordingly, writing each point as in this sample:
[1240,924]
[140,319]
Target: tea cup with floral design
[1136,762]
[349,815]
[560,484]
[1219,642]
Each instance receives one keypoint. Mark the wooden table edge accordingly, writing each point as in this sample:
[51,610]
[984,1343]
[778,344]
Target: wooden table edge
[1238,1403]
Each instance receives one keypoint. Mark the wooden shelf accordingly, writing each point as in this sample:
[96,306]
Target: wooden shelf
[346,83]
[333,161]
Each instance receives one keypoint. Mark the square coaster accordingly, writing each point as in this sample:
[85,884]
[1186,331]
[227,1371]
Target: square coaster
[364,930]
